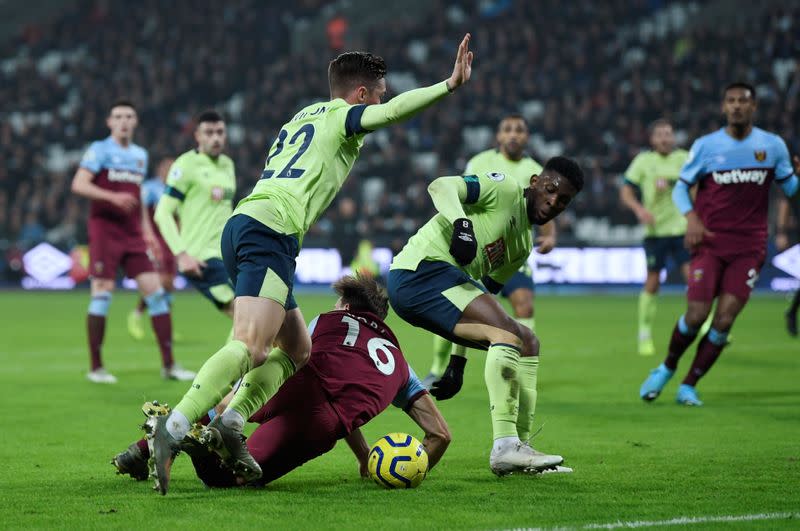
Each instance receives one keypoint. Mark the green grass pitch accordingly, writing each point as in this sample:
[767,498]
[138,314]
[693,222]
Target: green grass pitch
[738,455]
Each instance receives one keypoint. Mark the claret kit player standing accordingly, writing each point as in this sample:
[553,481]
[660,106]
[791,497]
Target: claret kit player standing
[305,168]
[110,175]
[733,169]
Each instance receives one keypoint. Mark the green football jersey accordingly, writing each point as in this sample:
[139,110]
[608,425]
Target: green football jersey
[204,188]
[492,160]
[306,167]
[497,210]
[656,175]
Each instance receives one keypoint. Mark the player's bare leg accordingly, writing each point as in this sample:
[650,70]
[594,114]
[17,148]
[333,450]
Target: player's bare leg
[101,291]
[511,382]
[647,313]
[710,347]
[521,300]
[256,323]
[292,349]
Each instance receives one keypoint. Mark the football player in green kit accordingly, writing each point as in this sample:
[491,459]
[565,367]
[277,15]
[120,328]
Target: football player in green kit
[305,168]
[201,184]
[653,175]
[508,158]
[483,232]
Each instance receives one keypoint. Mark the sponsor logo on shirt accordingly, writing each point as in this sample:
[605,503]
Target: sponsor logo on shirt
[125,176]
[496,253]
[496,176]
[760,155]
[740,176]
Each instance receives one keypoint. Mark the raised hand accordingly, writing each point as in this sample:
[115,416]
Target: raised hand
[462,70]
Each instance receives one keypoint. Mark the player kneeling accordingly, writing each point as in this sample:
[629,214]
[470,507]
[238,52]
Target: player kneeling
[355,371]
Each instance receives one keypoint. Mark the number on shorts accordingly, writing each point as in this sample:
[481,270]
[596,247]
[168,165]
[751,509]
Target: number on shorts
[752,278]
[375,346]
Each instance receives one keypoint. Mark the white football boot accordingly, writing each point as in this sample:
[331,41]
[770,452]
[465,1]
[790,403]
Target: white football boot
[176,372]
[101,376]
[520,457]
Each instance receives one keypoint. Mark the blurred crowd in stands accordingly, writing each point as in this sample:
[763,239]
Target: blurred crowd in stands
[588,76]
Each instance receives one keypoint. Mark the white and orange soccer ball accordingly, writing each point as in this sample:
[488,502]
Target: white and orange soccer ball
[398,461]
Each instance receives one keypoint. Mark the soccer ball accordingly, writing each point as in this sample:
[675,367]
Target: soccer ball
[398,461]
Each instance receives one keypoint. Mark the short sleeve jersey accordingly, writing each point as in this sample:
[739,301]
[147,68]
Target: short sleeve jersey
[655,176]
[152,190]
[205,188]
[117,169]
[496,206]
[733,178]
[360,366]
[306,167]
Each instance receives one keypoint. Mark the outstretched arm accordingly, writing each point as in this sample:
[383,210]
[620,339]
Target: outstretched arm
[409,103]
[437,435]
[357,443]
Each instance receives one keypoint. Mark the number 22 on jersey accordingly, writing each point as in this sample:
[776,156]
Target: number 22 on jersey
[296,146]
[375,346]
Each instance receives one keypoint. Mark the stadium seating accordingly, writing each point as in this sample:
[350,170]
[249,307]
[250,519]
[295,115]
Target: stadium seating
[588,79]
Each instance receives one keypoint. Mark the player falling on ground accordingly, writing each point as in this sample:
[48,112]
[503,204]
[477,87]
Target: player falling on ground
[787,210]
[483,231]
[200,188]
[163,259]
[306,166]
[510,159]
[726,232]
[356,369]
[653,174]
[110,175]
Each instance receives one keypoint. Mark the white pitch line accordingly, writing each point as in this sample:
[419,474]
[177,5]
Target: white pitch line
[681,520]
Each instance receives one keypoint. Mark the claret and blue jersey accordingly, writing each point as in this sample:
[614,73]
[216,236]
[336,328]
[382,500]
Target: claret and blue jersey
[733,178]
[118,169]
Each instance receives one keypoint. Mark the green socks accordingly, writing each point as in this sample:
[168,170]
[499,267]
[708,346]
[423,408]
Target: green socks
[214,380]
[647,314]
[261,383]
[528,370]
[501,375]
[530,322]
[441,355]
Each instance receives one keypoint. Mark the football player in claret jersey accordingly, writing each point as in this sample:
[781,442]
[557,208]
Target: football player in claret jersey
[355,371]
[163,259]
[305,168]
[510,159]
[110,175]
[726,232]
[200,187]
[653,175]
[483,232]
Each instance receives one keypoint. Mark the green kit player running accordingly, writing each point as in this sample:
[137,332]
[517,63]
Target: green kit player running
[653,175]
[483,232]
[306,166]
[509,159]
[200,187]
